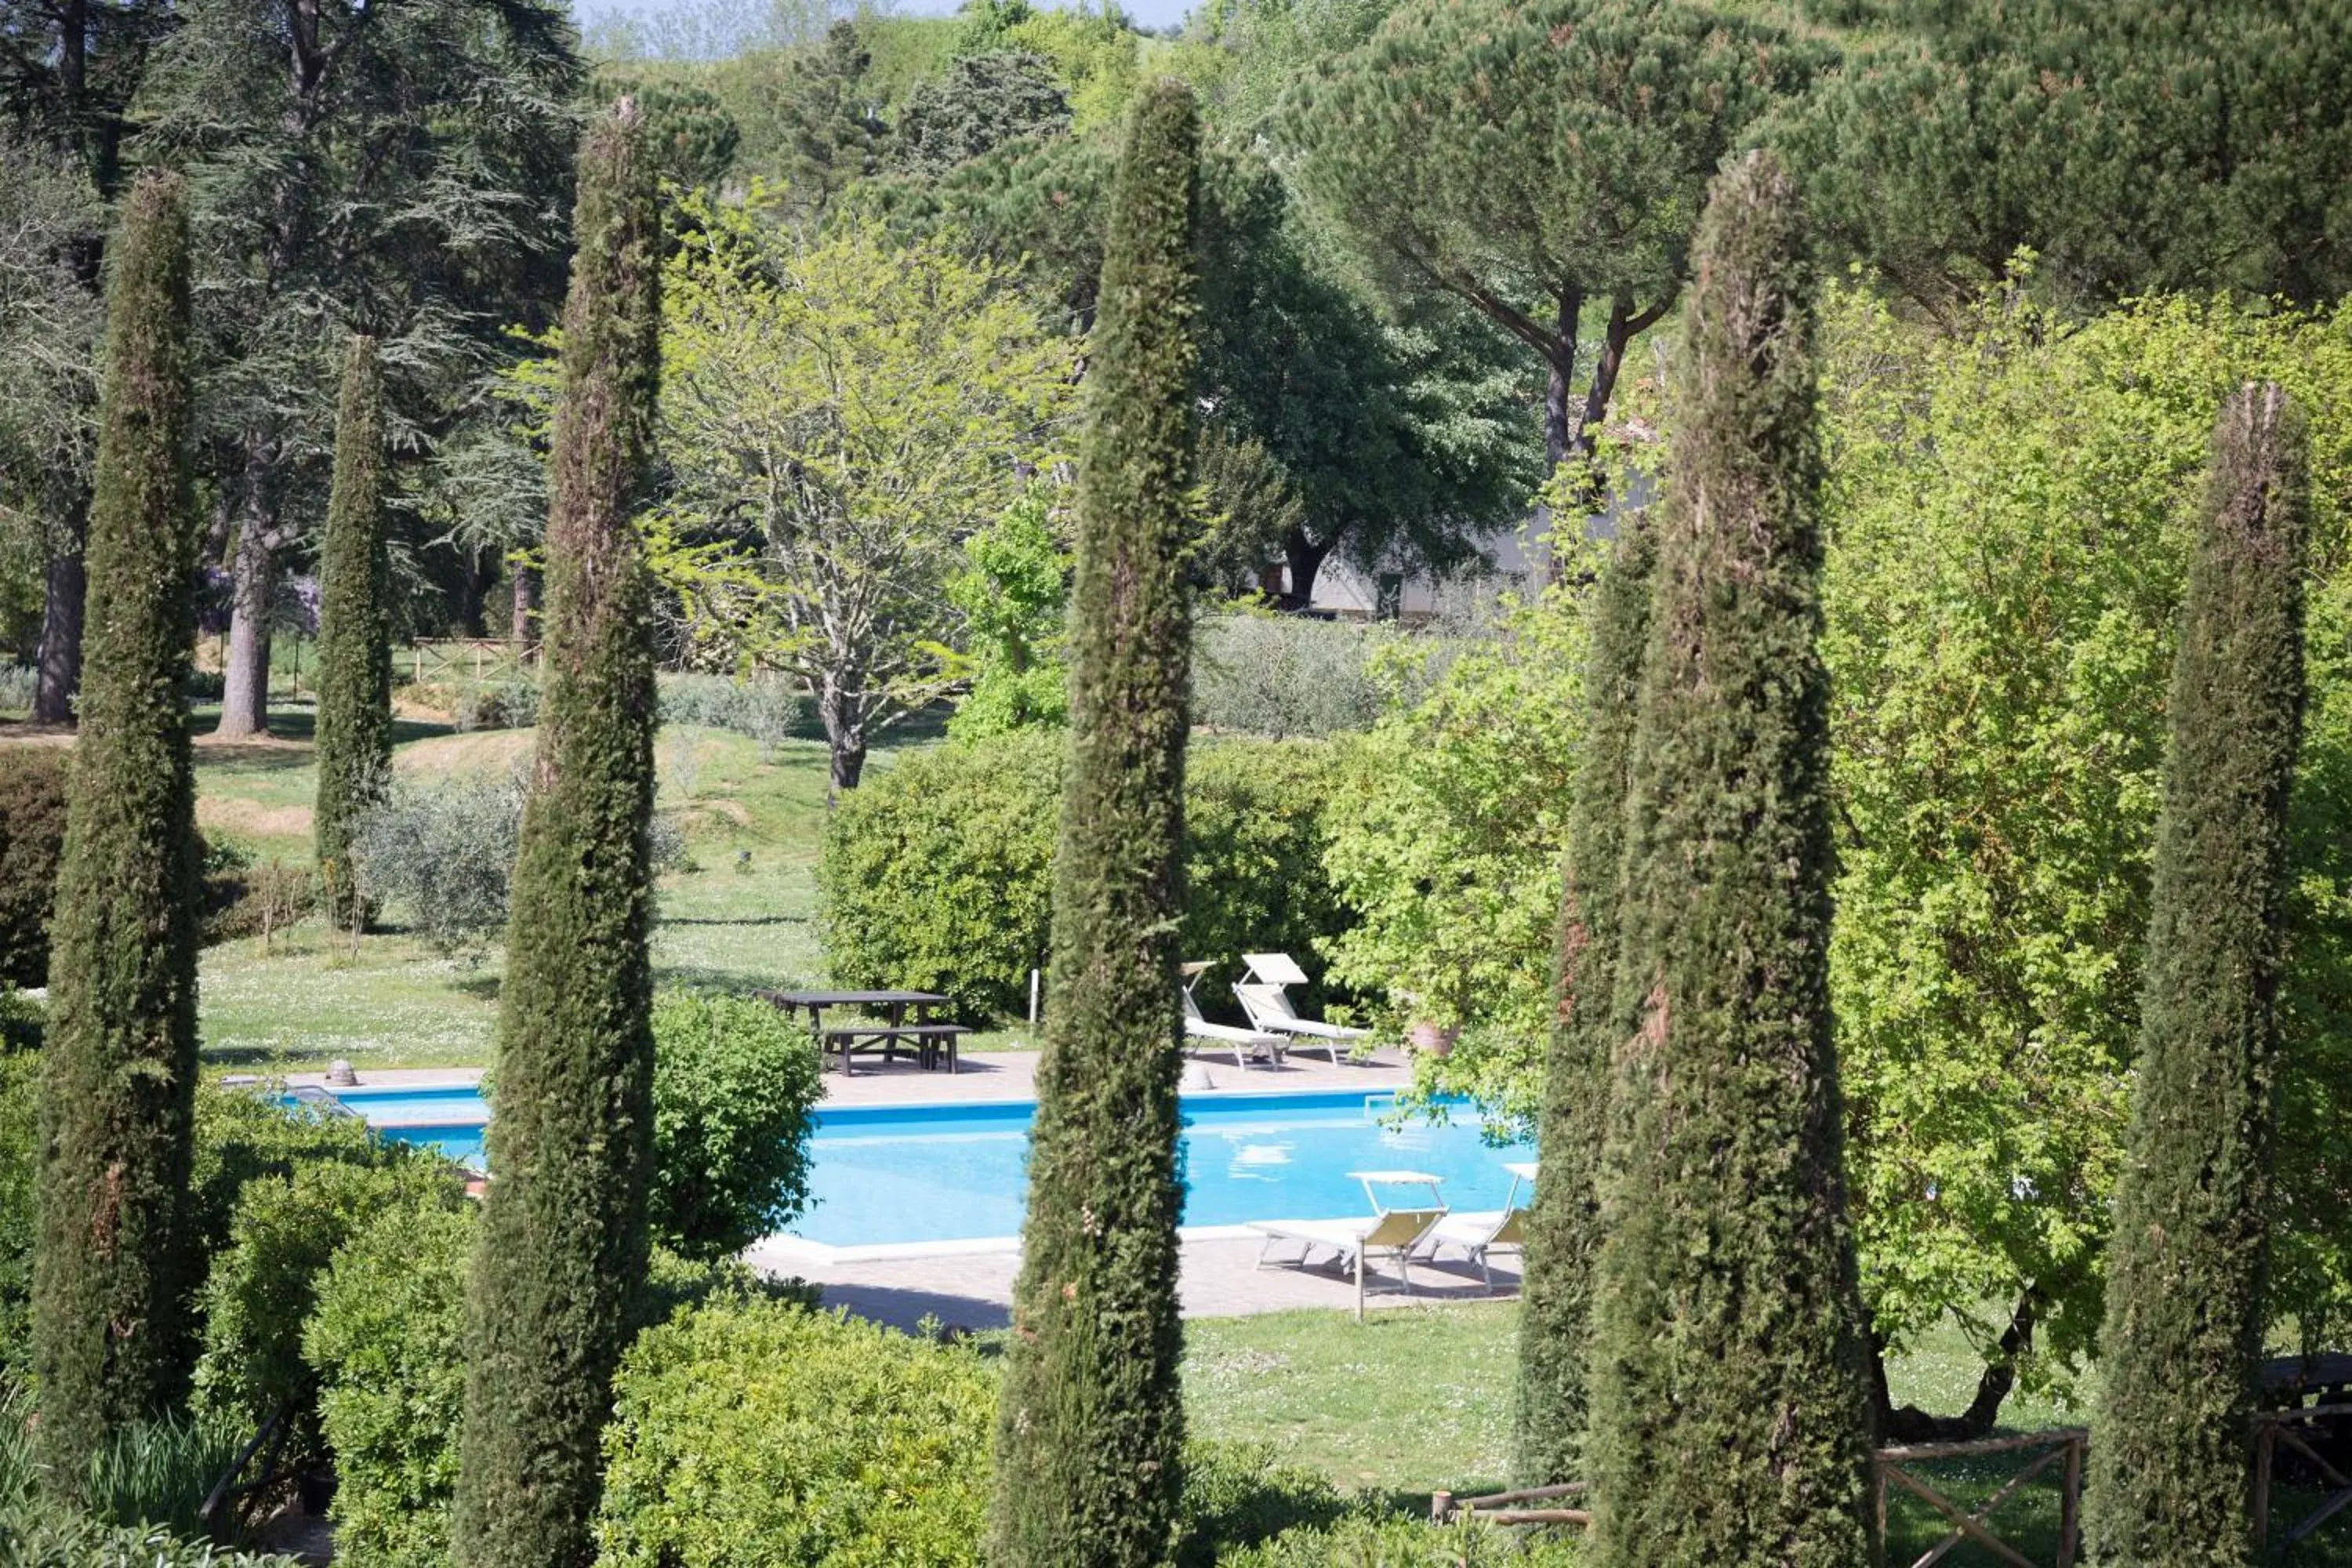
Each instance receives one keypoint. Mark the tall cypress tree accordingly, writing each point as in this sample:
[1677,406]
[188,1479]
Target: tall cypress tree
[1564,1221]
[354,733]
[118,1074]
[2186,1270]
[1091,1427]
[562,1252]
[1729,1413]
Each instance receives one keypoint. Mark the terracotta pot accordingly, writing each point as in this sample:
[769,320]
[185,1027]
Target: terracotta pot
[1425,1035]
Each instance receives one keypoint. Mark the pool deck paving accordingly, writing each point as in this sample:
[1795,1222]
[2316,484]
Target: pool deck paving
[969,1285]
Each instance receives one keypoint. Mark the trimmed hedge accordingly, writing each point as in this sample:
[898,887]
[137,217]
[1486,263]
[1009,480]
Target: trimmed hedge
[32,835]
[749,1434]
[735,1093]
[938,874]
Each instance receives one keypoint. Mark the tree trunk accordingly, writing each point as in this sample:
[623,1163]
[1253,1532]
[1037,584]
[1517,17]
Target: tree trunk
[245,672]
[522,632]
[1561,371]
[1305,557]
[60,658]
[1909,1423]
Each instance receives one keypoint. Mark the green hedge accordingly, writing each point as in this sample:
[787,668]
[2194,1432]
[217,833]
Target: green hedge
[735,1093]
[750,1435]
[938,874]
[32,835]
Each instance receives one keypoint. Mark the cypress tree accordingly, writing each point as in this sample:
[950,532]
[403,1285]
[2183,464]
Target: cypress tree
[1089,1428]
[1563,1223]
[2169,1468]
[563,1254]
[355,735]
[119,1073]
[1728,1414]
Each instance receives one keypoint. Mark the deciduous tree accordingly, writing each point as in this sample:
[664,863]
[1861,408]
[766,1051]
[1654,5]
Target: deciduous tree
[842,413]
[1090,1423]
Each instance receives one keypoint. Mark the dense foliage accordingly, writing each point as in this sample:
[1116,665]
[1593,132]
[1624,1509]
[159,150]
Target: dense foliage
[2008,511]
[561,1255]
[119,1063]
[938,874]
[1563,1227]
[2185,1308]
[1281,676]
[1089,1435]
[354,721]
[735,1093]
[32,835]
[387,1341]
[747,1434]
[1726,1320]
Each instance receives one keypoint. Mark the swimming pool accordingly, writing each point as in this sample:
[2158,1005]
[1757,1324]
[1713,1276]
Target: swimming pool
[888,1175]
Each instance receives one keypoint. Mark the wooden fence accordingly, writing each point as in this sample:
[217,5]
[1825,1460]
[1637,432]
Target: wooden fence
[2274,1430]
[441,661]
[2063,1448]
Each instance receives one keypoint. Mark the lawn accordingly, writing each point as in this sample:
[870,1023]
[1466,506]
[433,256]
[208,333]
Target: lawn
[1419,1399]
[738,916]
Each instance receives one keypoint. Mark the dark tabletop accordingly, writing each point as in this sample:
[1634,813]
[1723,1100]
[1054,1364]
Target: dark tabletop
[848,998]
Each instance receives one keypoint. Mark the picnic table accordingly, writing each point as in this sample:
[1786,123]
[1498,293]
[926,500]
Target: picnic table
[927,1037]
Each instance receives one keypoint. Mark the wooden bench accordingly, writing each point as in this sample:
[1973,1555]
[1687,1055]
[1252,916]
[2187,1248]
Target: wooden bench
[926,1039]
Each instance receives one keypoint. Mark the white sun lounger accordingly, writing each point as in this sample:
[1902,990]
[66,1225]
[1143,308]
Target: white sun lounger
[1485,1231]
[1269,1009]
[1385,1232]
[1247,1045]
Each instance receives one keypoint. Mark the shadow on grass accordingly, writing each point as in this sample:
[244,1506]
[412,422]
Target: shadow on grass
[733,921]
[485,986]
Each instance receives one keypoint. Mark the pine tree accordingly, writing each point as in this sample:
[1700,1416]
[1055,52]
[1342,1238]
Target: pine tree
[354,734]
[563,1254]
[2186,1269]
[1563,1223]
[1091,1427]
[1729,1414]
[119,1073]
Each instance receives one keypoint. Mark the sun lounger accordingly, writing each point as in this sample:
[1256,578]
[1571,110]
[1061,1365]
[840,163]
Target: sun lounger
[1384,1233]
[1247,1045]
[1480,1233]
[1269,1010]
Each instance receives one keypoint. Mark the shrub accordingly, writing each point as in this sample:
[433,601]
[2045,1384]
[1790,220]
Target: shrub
[748,1435]
[1281,675]
[445,853]
[18,684]
[19,1135]
[495,705]
[1395,1540]
[153,1475]
[937,874]
[766,708]
[735,1086]
[388,1343]
[245,1135]
[242,898]
[32,835]
[1236,1496]
[283,1233]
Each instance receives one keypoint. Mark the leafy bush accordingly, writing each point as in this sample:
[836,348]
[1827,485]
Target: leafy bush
[1448,840]
[1282,674]
[387,1341]
[247,1134]
[445,851]
[938,874]
[495,705]
[32,835]
[1236,1496]
[242,898]
[17,683]
[735,1086]
[748,1434]
[767,708]
[20,1133]
[1395,1540]
[283,1233]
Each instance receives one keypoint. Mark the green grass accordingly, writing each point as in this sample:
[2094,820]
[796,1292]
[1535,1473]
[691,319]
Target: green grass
[1419,1399]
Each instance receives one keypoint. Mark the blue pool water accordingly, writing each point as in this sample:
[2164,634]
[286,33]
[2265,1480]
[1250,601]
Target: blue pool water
[886,1174]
